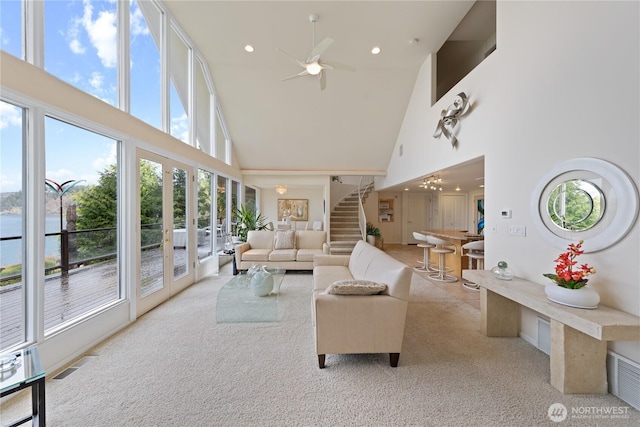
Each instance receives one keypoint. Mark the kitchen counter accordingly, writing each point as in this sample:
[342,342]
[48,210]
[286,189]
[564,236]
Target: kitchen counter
[457,238]
[445,233]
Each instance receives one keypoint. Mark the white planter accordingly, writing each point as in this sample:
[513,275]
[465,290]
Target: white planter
[371,240]
[584,297]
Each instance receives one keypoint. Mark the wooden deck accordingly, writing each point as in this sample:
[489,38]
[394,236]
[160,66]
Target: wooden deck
[68,297]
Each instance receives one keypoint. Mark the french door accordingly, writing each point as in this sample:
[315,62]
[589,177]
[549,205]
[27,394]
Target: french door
[165,230]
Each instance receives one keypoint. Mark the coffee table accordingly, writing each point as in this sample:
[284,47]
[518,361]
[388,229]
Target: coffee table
[237,303]
[19,370]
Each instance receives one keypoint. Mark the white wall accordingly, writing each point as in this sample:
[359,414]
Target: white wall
[314,188]
[563,83]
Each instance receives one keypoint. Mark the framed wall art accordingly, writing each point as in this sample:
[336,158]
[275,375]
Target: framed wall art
[296,209]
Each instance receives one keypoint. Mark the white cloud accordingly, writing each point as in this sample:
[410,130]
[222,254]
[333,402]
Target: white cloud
[96,80]
[76,47]
[10,183]
[10,115]
[138,23]
[60,175]
[102,33]
[72,37]
[180,127]
[101,163]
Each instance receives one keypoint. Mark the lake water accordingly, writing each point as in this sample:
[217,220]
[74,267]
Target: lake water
[11,250]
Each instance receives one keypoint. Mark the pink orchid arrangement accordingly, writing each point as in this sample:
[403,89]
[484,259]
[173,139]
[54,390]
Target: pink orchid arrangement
[566,276]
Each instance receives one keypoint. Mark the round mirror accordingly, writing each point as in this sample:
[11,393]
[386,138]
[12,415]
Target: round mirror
[568,203]
[576,205]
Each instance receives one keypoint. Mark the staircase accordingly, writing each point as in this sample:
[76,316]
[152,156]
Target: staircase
[345,229]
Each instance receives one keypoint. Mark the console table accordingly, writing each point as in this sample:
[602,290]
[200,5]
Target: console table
[578,336]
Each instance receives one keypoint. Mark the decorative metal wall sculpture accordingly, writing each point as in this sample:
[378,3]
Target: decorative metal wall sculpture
[450,118]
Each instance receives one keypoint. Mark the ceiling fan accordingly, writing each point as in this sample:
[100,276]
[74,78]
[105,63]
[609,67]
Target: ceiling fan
[313,66]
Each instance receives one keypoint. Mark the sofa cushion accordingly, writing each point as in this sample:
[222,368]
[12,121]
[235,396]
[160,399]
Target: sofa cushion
[284,239]
[355,287]
[306,255]
[260,239]
[256,255]
[283,255]
[310,239]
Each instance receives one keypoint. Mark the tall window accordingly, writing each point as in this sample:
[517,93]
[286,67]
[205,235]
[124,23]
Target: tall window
[81,45]
[11,27]
[221,205]
[207,229]
[81,222]
[203,110]
[179,90]
[221,141]
[12,288]
[145,84]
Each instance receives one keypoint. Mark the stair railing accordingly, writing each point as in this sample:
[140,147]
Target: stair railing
[364,187]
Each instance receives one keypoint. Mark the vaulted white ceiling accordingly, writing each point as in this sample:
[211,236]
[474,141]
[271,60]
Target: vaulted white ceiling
[292,125]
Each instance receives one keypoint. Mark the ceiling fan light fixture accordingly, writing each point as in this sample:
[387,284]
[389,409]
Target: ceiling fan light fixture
[314,68]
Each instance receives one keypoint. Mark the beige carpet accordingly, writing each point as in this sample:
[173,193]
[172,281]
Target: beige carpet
[177,367]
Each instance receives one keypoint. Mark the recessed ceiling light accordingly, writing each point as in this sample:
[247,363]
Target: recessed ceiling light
[375,50]
[248,48]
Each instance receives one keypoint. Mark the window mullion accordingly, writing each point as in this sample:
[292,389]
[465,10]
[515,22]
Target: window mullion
[34,155]
[33,49]
[124,72]
[164,73]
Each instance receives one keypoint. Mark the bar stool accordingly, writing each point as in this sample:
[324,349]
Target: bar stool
[442,248]
[473,250]
[426,263]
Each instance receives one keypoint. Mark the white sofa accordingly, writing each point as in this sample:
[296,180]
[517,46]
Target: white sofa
[269,248]
[348,324]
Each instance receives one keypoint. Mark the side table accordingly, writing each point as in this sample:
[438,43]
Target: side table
[19,370]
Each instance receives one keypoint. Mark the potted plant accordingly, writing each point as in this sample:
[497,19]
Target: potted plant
[373,233]
[248,220]
[570,280]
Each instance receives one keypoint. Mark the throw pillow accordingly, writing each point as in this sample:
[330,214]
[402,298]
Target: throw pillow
[355,287]
[285,239]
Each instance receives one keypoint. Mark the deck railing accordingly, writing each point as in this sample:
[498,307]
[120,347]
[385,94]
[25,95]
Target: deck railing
[82,247]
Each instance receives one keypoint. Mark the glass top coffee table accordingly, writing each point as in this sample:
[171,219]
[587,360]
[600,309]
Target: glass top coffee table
[19,370]
[237,302]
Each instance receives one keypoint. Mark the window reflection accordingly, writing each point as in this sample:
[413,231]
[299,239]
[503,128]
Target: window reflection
[576,205]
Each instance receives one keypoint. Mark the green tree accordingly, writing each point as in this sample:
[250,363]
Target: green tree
[98,204]
[179,198]
[150,202]
[571,207]
[204,198]
[97,207]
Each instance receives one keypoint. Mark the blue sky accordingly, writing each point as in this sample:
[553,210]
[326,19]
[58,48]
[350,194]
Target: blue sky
[80,49]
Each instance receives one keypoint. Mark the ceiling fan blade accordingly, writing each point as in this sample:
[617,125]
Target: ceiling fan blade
[300,74]
[337,66]
[293,58]
[317,51]
[323,80]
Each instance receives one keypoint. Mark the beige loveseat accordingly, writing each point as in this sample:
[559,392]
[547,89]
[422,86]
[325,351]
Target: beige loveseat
[347,324]
[290,249]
